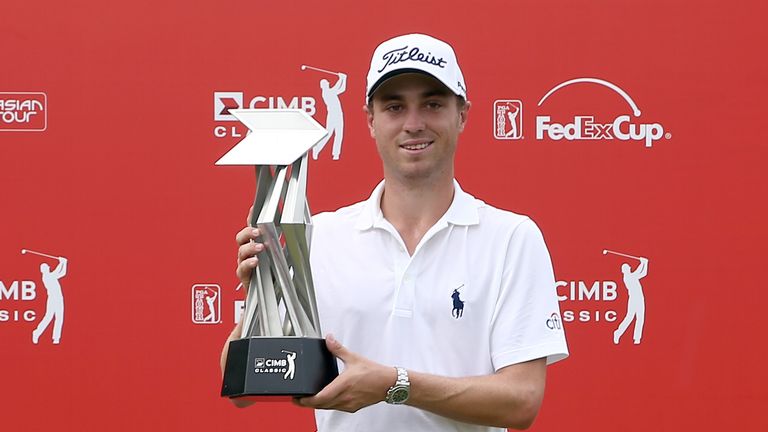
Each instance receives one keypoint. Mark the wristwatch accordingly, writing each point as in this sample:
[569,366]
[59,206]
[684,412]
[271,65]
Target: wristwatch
[398,393]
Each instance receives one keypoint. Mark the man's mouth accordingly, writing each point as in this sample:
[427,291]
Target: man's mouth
[416,146]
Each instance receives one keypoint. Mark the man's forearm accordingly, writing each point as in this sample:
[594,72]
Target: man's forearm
[510,398]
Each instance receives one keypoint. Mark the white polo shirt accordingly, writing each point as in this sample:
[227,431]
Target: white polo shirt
[402,310]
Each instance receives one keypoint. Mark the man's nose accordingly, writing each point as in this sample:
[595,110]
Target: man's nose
[414,121]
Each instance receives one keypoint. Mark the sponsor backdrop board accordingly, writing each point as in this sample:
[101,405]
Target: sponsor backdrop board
[627,130]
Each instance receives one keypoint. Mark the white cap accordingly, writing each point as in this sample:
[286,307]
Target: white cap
[415,53]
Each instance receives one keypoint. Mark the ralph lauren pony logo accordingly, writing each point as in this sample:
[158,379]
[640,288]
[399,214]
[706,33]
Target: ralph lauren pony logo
[458,303]
[403,54]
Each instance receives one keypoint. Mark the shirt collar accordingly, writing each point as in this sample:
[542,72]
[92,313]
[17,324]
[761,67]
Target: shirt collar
[462,211]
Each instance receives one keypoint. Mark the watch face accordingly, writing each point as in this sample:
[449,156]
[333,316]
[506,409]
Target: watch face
[400,395]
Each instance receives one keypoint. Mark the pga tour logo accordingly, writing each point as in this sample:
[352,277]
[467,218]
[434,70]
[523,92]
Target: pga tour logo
[23,111]
[206,304]
[625,127]
[508,119]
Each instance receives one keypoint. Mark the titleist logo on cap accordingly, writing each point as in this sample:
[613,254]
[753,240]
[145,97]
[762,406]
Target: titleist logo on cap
[403,54]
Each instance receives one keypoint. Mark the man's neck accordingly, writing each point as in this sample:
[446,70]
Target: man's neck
[414,207]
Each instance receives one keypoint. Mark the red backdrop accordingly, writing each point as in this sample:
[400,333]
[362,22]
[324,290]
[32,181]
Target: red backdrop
[121,182]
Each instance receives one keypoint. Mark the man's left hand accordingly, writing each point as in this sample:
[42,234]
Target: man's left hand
[362,383]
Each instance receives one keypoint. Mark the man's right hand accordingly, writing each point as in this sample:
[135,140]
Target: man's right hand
[246,254]
[246,262]
[247,250]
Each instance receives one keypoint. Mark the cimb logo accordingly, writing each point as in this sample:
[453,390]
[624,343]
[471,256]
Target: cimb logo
[23,111]
[285,366]
[330,84]
[587,301]
[16,291]
[624,127]
[604,303]
[224,101]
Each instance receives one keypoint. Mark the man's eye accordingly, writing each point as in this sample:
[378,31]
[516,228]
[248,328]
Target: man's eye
[394,108]
[434,105]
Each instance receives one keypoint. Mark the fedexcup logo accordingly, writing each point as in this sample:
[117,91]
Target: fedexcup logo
[23,111]
[587,127]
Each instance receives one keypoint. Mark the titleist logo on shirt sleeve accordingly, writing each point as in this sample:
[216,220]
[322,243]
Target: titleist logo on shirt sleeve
[403,54]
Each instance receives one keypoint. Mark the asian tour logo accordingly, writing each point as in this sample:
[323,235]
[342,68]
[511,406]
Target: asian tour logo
[285,366]
[23,111]
[588,127]
[332,85]
[206,304]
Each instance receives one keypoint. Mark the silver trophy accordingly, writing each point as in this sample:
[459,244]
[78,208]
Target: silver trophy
[280,350]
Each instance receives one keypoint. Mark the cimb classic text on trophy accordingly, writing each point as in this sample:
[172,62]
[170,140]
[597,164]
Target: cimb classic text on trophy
[281,350]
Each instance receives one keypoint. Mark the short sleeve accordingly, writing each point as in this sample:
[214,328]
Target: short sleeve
[526,323]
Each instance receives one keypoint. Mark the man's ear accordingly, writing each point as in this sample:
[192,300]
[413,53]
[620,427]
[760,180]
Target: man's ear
[463,114]
[368,110]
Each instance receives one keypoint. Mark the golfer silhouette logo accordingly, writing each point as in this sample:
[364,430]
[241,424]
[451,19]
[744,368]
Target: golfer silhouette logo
[211,300]
[458,304]
[636,298]
[291,357]
[54,305]
[513,122]
[508,123]
[334,120]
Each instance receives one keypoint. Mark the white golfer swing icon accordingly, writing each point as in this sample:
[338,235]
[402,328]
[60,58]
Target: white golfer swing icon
[291,357]
[54,305]
[636,301]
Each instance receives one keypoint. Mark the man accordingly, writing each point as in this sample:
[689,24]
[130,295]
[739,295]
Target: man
[385,270]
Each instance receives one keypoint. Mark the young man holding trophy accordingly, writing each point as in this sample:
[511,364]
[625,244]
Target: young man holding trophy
[441,308]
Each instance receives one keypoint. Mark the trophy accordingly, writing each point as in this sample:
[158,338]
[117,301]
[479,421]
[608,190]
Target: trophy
[280,350]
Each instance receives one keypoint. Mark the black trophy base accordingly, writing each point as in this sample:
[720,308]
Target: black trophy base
[277,366]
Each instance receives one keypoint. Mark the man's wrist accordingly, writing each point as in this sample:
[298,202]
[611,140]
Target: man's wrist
[398,394]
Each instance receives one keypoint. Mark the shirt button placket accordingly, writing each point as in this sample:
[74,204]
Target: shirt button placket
[404,281]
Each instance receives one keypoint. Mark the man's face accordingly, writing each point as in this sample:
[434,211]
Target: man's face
[416,122]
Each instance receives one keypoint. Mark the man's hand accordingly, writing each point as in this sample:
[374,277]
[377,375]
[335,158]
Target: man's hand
[246,262]
[246,252]
[362,383]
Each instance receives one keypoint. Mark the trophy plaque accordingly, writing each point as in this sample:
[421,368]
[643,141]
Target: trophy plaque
[280,351]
